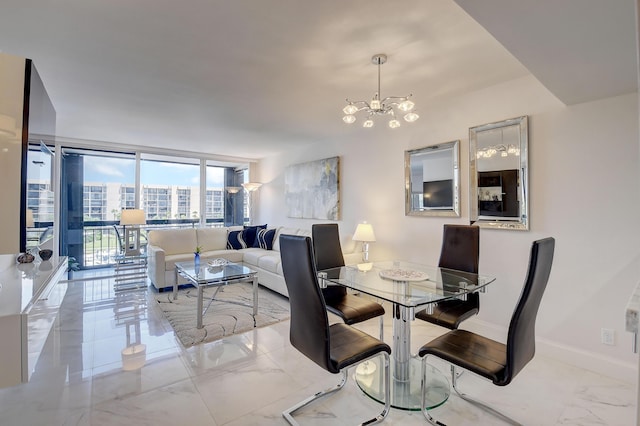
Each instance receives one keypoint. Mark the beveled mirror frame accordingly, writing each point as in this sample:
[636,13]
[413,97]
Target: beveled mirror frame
[520,221]
[454,210]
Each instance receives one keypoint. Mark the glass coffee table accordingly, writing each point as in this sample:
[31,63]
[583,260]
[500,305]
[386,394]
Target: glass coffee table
[202,276]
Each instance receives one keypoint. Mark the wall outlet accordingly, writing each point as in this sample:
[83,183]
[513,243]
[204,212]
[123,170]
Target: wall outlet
[608,336]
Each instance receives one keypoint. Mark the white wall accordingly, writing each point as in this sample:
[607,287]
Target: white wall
[585,192]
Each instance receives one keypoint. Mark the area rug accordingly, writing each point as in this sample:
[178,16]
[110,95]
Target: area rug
[222,318]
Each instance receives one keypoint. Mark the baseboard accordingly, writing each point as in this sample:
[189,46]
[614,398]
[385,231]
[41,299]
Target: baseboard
[607,366]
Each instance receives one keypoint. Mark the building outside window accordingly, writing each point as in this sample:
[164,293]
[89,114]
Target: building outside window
[127,197]
[215,204]
[184,203]
[95,202]
[170,187]
[156,202]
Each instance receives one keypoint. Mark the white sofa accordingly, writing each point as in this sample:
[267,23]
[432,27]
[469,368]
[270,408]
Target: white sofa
[168,246]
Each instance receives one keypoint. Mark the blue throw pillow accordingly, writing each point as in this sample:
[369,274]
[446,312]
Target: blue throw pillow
[235,241]
[249,234]
[265,238]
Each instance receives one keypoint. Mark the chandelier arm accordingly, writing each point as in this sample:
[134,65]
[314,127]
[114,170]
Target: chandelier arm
[402,98]
[357,102]
[365,105]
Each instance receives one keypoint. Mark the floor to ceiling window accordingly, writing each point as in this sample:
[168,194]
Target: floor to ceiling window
[215,196]
[97,185]
[170,188]
[225,197]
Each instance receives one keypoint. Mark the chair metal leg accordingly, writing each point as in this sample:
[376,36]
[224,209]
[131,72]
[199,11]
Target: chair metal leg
[288,414]
[454,384]
[482,405]
[387,393]
[382,327]
[423,389]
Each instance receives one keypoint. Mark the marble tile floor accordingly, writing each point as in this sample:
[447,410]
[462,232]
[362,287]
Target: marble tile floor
[249,379]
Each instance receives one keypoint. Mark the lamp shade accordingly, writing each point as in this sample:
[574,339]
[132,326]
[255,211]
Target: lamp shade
[132,217]
[251,186]
[364,232]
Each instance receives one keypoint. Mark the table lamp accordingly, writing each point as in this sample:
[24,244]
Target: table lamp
[134,218]
[364,233]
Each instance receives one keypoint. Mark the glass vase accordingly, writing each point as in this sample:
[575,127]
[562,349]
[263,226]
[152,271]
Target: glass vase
[196,263]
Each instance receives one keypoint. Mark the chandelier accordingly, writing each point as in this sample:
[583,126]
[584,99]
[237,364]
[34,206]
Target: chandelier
[391,106]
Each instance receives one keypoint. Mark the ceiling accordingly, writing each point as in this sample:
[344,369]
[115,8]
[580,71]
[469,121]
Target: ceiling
[250,78]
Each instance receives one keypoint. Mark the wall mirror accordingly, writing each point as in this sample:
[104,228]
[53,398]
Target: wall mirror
[432,180]
[498,173]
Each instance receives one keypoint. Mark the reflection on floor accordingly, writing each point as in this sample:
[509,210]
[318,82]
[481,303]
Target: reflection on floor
[112,359]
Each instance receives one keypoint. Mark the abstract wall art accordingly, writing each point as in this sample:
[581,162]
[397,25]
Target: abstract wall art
[312,189]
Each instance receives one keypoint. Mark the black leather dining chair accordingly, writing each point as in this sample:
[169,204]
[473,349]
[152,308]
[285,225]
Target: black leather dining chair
[328,254]
[334,347]
[496,361]
[460,251]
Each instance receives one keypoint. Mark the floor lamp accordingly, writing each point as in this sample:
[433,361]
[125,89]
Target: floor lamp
[131,219]
[251,187]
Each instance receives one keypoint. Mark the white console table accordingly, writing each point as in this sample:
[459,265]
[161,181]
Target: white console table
[30,298]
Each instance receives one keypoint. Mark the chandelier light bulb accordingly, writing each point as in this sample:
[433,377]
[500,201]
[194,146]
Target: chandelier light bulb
[375,103]
[350,109]
[368,123]
[410,117]
[406,106]
[349,119]
[394,123]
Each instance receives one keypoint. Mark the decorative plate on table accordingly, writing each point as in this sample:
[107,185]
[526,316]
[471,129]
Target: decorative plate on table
[217,262]
[216,265]
[398,274]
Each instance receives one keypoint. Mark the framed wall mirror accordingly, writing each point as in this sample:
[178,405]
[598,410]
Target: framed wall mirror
[432,180]
[498,173]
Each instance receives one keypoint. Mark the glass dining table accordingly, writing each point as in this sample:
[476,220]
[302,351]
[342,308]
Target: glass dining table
[410,288]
